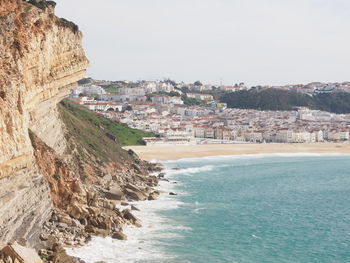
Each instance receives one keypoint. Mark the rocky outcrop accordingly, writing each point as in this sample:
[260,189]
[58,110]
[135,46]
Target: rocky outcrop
[17,253]
[56,189]
[119,235]
[40,58]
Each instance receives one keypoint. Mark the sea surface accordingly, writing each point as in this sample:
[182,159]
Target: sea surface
[241,209]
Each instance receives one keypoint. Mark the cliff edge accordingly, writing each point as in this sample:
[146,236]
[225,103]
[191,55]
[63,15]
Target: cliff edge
[56,187]
[40,59]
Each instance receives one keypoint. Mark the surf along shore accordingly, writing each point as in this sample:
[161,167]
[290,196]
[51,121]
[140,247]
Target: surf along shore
[144,242]
[173,152]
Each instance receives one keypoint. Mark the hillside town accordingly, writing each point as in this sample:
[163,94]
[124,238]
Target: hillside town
[189,114]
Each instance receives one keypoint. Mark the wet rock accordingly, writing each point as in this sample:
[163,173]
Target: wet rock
[156,167]
[68,243]
[153,196]
[90,229]
[165,180]
[132,187]
[104,223]
[81,242]
[152,180]
[134,208]
[119,235]
[171,193]
[101,232]
[137,195]
[130,217]
[161,175]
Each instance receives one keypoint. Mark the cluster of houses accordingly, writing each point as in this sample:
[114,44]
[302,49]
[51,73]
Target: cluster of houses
[173,122]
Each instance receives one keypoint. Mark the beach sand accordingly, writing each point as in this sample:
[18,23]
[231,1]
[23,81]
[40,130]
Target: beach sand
[172,152]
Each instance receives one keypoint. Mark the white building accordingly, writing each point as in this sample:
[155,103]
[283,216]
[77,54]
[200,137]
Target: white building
[200,96]
[284,135]
[88,90]
[338,135]
[166,100]
[122,98]
[103,106]
[132,91]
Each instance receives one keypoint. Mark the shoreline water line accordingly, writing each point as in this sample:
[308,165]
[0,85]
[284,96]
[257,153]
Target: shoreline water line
[146,244]
[253,155]
[142,242]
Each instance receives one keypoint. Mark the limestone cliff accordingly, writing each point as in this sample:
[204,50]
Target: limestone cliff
[41,57]
[61,171]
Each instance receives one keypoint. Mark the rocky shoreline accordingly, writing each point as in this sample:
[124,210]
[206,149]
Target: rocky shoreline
[61,176]
[94,213]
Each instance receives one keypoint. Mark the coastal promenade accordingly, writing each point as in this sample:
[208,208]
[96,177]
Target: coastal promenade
[172,152]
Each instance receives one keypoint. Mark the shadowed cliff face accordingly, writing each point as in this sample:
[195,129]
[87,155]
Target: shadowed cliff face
[40,59]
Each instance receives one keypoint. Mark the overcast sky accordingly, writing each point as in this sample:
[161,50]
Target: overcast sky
[253,41]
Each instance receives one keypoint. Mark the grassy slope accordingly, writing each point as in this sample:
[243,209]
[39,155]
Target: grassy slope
[90,130]
[112,89]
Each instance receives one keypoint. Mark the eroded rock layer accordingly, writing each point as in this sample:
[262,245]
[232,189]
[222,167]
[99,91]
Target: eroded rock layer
[40,58]
[61,175]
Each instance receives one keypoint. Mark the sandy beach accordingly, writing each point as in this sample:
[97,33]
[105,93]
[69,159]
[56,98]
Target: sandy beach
[172,152]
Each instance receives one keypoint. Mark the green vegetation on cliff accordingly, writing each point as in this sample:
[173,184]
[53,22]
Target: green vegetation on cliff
[190,101]
[112,88]
[275,99]
[98,135]
[42,4]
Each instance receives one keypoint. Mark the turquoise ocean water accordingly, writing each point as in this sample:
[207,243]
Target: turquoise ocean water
[262,209]
[242,209]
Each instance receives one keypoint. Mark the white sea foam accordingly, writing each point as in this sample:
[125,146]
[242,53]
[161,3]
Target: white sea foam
[256,236]
[147,242]
[189,171]
[198,210]
[144,242]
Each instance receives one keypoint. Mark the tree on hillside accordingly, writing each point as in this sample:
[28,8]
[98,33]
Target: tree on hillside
[198,83]
[185,89]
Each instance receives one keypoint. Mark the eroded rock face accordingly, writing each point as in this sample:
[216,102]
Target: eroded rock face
[49,195]
[40,59]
